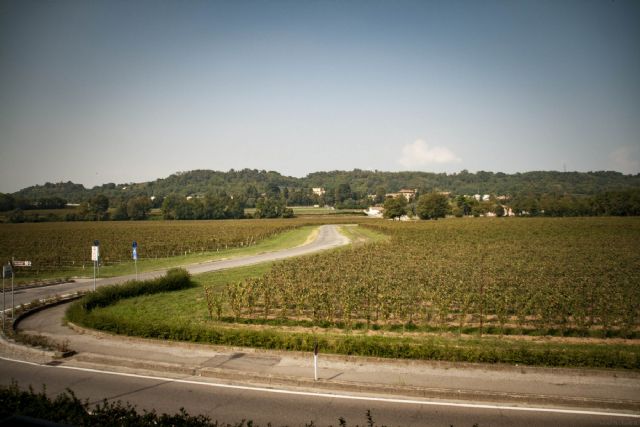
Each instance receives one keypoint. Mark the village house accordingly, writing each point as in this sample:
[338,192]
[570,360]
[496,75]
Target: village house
[407,194]
[318,191]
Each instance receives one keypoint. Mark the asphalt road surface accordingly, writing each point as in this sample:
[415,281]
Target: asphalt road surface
[233,403]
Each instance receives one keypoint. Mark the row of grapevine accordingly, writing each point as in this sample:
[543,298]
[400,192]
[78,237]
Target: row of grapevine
[526,273]
[69,243]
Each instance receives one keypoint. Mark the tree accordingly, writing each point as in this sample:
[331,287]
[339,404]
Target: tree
[343,192]
[170,205]
[268,207]
[432,206]
[99,204]
[273,190]
[395,207]
[51,203]
[120,212]
[464,207]
[7,202]
[381,191]
[234,208]
[96,209]
[138,207]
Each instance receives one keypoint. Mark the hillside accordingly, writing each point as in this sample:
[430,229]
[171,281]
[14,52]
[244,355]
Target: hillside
[252,181]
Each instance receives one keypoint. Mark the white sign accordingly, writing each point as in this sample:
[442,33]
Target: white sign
[22,263]
[135,253]
[95,253]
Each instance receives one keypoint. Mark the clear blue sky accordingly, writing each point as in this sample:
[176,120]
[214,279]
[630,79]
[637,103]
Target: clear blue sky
[128,91]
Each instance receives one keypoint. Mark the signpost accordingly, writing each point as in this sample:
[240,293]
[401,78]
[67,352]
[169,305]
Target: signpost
[6,270]
[22,263]
[95,256]
[315,360]
[135,256]
[9,269]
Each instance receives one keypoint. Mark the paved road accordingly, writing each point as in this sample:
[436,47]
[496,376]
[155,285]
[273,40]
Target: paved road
[231,404]
[328,237]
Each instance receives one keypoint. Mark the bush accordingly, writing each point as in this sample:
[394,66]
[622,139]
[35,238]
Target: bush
[175,279]
[68,409]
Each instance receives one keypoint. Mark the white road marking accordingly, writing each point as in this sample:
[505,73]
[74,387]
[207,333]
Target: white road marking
[337,396]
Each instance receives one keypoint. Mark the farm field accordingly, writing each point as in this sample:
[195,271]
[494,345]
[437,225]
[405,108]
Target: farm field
[63,249]
[538,276]
[558,292]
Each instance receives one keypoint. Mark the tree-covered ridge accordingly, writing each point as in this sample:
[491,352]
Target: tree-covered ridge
[253,182]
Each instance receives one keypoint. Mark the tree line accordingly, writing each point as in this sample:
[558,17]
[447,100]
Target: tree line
[436,205]
[361,182]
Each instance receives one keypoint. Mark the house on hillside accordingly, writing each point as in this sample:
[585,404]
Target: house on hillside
[318,191]
[407,194]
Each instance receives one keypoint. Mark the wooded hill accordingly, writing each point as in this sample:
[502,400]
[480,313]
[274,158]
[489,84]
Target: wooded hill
[252,182]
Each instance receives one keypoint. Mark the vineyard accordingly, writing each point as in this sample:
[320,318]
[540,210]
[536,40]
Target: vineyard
[69,243]
[560,276]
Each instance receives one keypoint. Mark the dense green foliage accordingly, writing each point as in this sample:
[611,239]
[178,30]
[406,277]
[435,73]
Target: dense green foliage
[204,194]
[211,206]
[432,206]
[175,279]
[395,207]
[68,409]
[344,185]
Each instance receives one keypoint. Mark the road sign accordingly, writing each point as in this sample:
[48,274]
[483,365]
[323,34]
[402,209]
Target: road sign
[135,244]
[95,253]
[135,253]
[22,263]
[6,271]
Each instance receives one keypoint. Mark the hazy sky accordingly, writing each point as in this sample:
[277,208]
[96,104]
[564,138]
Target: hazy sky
[127,91]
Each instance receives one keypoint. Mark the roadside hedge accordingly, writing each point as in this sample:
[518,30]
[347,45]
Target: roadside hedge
[435,348]
[175,279]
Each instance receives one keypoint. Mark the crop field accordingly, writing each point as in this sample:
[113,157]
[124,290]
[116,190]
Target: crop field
[568,277]
[552,292]
[63,249]
[67,243]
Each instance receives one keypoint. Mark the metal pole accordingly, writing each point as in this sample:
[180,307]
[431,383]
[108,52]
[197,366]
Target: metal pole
[3,298]
[315,367]
[12,295]
[135,262]
[315,360]
[94,275]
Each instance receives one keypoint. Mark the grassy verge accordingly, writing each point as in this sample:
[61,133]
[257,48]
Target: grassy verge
[285,240]
[183,315]
[359,234]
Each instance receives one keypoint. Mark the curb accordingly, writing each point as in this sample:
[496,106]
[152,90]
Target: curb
[327,385]
[270,380]
[364,359]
